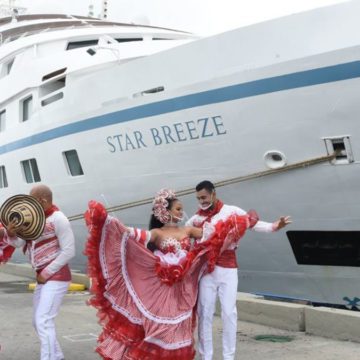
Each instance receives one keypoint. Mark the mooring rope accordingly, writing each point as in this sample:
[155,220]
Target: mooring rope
[297,165]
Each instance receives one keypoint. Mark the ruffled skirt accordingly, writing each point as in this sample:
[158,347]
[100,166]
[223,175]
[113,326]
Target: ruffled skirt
[146,309]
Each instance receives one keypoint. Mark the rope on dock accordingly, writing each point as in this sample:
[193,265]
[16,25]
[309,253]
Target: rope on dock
[297,165]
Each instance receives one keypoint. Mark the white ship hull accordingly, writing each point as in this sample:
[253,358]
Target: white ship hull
[214,108]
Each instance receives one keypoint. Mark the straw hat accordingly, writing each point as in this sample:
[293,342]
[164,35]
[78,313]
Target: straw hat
[29,214]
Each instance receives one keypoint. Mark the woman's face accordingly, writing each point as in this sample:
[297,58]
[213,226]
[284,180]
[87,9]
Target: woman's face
[176,211]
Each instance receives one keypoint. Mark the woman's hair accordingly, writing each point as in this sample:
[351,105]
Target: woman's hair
[156,223]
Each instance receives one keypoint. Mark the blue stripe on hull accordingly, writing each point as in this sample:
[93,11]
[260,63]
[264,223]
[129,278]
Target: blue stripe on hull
[253,88]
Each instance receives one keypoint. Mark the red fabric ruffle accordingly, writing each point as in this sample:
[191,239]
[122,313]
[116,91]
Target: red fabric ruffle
[114,324]
[226,232]
[120,338]
[6,250]
[6,254]
[170,274]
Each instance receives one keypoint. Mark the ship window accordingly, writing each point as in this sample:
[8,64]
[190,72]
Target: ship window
[52,99]
[53,74]
[122,40]
[73,163]
[31,171]
[3,179]
[333,248]
[52,86]
[8,66]
[2,120]
[341,146]
[27,108]
[79,44]
[149,91]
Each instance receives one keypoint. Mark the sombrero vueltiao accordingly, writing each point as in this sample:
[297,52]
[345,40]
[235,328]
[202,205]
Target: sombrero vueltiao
[29,214]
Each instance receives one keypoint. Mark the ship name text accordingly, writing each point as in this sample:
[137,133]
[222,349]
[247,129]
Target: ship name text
[167,134]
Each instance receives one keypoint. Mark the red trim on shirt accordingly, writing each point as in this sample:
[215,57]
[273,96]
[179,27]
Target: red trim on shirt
[51,210]
[43,242]
[227,259]
[209,213]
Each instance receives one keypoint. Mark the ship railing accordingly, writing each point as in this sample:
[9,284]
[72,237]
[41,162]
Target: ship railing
[297,165]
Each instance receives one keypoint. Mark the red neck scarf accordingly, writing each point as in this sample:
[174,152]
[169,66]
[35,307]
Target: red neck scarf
[51,210]
[209,213]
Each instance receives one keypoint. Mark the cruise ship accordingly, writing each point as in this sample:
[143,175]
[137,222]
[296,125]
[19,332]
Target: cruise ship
[269,112]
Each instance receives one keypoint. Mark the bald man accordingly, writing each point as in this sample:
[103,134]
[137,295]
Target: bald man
[49,256]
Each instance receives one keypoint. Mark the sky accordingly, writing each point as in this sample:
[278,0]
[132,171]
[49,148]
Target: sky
[202,17]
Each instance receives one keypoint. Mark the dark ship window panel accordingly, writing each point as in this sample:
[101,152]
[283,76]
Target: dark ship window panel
[52,86]
[341,146]
[26,108]
[53,74]
[333,248]
[52,99]
[2,120]
[3,178]
[149,91]
[80,44]
[73,163]
[31,171]
[123,40]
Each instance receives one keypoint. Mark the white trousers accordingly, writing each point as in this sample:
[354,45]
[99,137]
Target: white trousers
[222,282]
[46,303]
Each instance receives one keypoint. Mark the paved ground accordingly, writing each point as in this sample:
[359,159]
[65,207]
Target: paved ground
[77,331]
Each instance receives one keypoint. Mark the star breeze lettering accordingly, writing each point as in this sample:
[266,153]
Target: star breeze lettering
[167,134]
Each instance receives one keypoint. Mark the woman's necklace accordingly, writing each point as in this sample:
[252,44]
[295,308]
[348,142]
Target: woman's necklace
[171,224]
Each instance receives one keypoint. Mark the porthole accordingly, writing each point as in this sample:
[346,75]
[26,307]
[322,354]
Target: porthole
[275,159]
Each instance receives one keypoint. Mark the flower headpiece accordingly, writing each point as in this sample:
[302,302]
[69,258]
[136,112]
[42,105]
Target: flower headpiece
[160,204]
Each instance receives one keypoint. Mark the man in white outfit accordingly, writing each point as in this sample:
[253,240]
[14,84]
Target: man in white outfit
[49,256]
[223,280]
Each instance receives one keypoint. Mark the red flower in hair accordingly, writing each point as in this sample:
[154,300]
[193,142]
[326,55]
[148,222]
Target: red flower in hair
[160,204]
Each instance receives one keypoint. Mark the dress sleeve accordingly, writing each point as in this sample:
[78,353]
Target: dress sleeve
[139,235]
[260,226]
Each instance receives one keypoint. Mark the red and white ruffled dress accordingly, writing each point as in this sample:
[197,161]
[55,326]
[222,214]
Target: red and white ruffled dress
[146,301]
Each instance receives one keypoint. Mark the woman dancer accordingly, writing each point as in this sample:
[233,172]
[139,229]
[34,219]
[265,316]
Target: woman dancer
[146,300]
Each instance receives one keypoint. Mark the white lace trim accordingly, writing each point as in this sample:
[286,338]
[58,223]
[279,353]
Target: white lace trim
[102,251]
[167,346]
[122,311]
[170,242]
[105,273]
[171,258]
[136,299]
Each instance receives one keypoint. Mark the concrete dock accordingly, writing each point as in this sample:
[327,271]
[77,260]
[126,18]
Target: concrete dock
[78,329]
